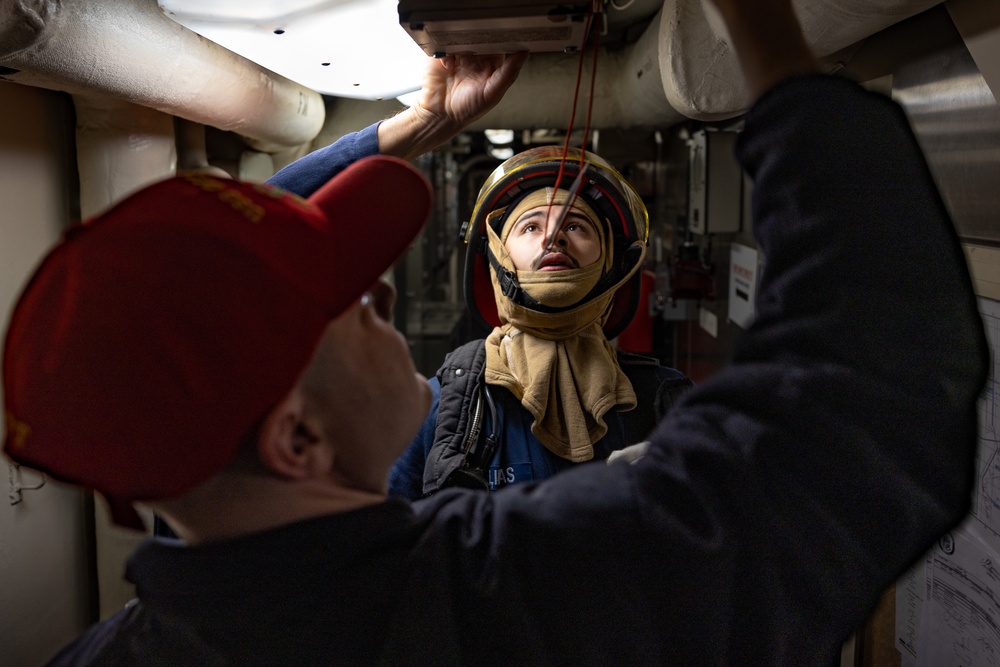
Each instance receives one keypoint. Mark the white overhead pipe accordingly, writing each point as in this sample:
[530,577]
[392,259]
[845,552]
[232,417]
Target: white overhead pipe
[681,66]
[130,50]
[120,148]
[701,75]
[627,91]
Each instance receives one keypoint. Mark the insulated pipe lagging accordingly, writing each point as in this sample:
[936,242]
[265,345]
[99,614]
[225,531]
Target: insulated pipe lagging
[701,75]
[627,92]
[120,148]
[682,66]
[130,50]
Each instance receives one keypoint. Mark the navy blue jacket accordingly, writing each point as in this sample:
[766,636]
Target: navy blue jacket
[776,503]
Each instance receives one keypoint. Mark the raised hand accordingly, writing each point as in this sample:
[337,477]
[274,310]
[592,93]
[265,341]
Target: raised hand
[457,90]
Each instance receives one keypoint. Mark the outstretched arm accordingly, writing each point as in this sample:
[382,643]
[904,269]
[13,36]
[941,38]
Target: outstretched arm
[457,90]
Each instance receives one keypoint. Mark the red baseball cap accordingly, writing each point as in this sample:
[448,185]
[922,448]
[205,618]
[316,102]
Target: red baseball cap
[153,338]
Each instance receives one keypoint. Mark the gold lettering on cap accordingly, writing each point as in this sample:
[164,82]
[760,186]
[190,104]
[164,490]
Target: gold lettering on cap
[277,193]
[231,196]
[251,210]
[268,190]
[17,431]
[204,182]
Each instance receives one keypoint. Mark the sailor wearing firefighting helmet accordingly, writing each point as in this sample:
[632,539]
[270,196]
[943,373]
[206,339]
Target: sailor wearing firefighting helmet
[555,243]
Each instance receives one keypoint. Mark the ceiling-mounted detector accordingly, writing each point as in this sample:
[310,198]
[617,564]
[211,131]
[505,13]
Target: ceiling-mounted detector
[442,27]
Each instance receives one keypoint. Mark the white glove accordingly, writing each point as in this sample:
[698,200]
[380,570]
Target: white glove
[629,454]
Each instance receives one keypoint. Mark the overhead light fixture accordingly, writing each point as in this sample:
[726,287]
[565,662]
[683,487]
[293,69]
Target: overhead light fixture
[499,137]
[346,48]
[441,27]
[500,143]
[500,152]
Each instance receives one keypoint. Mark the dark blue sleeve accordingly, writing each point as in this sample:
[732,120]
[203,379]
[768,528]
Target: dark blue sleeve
[840,442]
[782,496]
[308,173]
[86,648]
[407,475]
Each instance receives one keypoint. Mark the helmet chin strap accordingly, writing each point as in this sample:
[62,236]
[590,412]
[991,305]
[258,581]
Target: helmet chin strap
[510,288]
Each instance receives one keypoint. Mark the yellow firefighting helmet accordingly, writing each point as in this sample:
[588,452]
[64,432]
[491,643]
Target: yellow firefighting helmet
[601,187]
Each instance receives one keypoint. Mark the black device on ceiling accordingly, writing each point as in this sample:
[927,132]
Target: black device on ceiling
[443,27]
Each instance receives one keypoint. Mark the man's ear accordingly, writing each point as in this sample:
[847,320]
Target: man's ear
[283,442]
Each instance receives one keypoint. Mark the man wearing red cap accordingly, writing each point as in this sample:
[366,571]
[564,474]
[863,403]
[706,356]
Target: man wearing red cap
[219,351]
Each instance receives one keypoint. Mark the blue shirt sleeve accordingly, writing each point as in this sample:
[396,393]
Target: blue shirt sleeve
[307,174]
